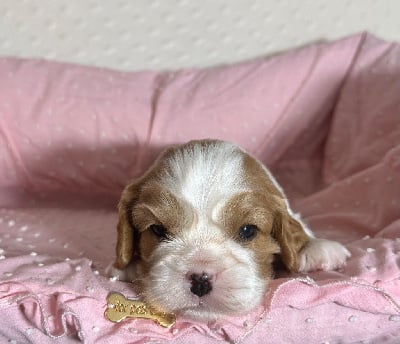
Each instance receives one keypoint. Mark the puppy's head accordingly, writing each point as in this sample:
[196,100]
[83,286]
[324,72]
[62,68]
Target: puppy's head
[202,227]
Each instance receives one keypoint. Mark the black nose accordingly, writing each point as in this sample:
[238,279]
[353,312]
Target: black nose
[201,284]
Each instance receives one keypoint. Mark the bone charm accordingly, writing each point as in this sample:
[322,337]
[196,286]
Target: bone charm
[119,308]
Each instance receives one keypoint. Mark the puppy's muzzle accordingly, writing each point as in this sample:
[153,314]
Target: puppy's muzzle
[200,284]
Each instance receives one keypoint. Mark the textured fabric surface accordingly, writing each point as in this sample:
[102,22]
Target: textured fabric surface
[324,118]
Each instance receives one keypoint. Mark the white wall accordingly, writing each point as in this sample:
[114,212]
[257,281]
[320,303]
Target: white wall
[144,34]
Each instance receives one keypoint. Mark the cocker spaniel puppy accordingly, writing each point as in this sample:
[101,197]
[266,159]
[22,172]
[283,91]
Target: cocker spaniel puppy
[199,232]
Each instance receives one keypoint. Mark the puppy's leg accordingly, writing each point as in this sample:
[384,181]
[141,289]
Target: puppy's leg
[321,254]
[301,251]
[128,274]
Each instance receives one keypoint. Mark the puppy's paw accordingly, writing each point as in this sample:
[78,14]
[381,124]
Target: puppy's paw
[127,275]
[320,254]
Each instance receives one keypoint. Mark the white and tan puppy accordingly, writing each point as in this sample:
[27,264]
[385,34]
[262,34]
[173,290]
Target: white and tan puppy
[200,229]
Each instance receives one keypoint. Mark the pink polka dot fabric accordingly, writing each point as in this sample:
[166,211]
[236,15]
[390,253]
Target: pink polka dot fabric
[326,120]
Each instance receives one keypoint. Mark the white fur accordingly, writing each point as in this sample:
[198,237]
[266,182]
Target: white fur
[321,254]
[128,274]
[236,285]
[204,176]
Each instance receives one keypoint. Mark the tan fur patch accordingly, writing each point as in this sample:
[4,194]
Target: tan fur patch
[257,209]
[158,206]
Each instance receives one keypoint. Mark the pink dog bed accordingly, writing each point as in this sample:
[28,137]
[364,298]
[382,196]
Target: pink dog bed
[324,118]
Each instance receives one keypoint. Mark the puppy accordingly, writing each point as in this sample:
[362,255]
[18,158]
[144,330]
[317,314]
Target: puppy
[200,229]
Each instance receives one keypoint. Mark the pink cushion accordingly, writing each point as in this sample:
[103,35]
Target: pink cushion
[325,118]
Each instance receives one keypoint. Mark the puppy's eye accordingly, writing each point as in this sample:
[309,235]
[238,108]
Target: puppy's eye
[247,232]
[159,230]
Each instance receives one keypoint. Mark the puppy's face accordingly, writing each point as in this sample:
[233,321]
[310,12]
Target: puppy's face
[202,227]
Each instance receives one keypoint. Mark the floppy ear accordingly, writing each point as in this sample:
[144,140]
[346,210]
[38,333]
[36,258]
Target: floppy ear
[291,237]
[127,242]
[287,230]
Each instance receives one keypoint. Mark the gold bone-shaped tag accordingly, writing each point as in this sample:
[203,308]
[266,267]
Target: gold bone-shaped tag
[119,308]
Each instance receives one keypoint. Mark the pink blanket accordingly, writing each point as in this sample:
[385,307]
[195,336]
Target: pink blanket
[325,118]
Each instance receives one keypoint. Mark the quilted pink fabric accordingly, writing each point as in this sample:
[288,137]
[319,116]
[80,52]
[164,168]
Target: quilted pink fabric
[326,120]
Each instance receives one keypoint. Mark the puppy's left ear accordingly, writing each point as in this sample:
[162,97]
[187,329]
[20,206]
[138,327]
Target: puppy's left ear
[127,242]
[291,237]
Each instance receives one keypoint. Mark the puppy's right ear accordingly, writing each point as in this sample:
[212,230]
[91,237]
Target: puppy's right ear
[127,242]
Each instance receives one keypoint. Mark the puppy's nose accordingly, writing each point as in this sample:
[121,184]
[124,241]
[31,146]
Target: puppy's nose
[201,284]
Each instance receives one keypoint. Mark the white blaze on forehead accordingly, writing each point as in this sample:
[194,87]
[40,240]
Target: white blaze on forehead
[204,175]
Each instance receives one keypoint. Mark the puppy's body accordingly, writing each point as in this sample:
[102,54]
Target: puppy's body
[200,229]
